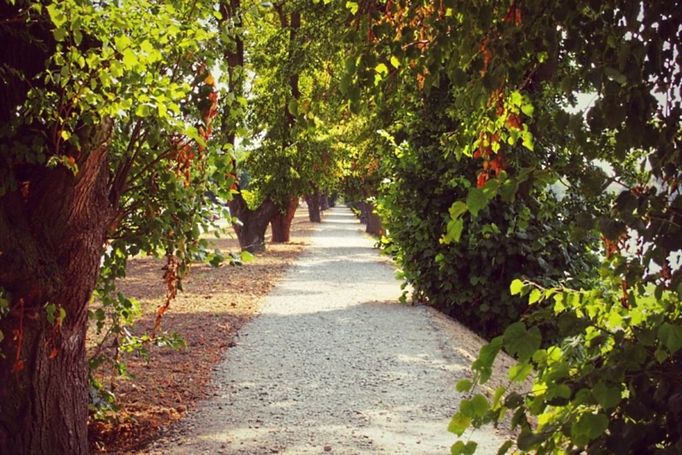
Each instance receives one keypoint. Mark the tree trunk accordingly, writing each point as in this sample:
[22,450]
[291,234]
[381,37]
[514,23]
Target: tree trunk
[374,225]
[313,201]
[231,11]
[52,235]
[364,211]
[281,222]
[252,223]
[324,202]
[45,405]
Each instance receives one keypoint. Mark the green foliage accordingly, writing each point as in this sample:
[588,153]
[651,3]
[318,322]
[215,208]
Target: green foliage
[142,67]
[610,385]
[462,448]
[494,179]
[558,114]
[294,103]
[462,265]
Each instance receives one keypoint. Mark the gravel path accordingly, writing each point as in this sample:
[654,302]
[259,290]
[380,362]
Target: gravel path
[334,365]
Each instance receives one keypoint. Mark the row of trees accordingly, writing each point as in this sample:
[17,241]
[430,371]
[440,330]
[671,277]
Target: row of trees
[291,103]
[460,123]
[124,127]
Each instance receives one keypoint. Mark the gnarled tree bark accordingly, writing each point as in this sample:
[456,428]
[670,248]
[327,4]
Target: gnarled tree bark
[252,223]
[281,222]
[52,235]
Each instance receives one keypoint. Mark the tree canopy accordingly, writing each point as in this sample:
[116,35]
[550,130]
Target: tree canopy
[523,158]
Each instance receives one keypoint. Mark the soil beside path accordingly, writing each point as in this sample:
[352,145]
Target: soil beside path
[333,365]
[214,305]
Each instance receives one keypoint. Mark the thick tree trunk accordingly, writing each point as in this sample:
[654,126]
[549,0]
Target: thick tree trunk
[281,222]
[252,223]
[313,201]
[45,405]
[52,235]
[374,225]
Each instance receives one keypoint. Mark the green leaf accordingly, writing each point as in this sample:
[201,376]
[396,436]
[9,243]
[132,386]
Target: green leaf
[486,356]
[515,98]
[527,140]
[246,256]
[671,336]
[395,63]
[57,16]
[504,448]
[516,287]
[479,405]
[488,352]
[476,201]
[513,400]
[535,296]
[454,231]
[293,107]
[528,109]
[142,110]
[122,42]
[463,385]
[458,424]
[521,342]
[352,6]
[661,355]
[497,396]
[520,371]
[508,190]
[382,69]
[527,440]
[457,209]
[129,59]
[77,37]
[216,259]
[607,396]
[475,407]
[588,427]
[461,448]
[59,34]
[51,311]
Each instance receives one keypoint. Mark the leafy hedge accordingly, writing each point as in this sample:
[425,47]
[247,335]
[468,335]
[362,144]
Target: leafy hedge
[469,279]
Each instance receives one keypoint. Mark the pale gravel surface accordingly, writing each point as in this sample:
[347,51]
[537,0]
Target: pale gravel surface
[333,365]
